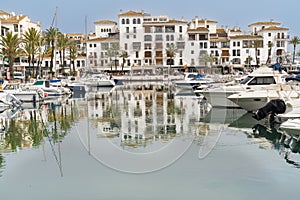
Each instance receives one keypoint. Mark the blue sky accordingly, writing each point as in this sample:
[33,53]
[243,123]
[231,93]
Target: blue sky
[71,14]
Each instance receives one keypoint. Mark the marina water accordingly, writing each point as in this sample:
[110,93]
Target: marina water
[142,141]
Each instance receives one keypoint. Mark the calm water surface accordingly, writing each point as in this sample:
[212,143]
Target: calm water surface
[143,143]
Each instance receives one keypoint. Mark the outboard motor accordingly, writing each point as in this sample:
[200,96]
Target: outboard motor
[273,107]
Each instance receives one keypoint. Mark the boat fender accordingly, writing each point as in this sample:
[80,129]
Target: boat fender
[40,93]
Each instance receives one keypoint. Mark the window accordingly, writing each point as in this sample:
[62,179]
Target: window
[16,29]
[147,46]
[147,29]
[123,21]
[147,38]
[126,46]
[138,21]
[269,34]
[192,61]
[137,54]
[192,44]
[127,21]
[234,52]
[95,45]
[192,51]
[201,45]
[167,37]
[233,44]
[134,29]
[262,81]
[180,29]
[158,37]
[134,21]
[238,44]
[127,29]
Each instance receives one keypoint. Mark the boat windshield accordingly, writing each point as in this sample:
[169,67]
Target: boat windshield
[246,80]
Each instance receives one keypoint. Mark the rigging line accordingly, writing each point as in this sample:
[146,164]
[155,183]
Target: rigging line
[52,147]
[54,20]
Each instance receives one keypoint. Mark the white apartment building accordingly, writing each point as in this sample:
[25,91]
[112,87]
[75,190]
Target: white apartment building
[145,38]
[106,36]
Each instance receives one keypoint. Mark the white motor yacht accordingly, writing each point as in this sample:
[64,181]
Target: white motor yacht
[24,94]
[192,80]
[264,78]
[254,100]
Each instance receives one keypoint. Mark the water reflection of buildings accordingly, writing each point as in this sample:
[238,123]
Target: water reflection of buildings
[145,112]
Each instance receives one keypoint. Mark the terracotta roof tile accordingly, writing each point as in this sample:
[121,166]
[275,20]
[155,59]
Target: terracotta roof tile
[131,13]
[207,21]
[246,37]
[105,22]
[173,21]
[274,28]
[3,12]
[102,39]
[13,19]
[220,30]
[201,29]
[265,23]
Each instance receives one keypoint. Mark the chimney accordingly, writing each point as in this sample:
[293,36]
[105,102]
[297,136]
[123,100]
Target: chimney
[196,22]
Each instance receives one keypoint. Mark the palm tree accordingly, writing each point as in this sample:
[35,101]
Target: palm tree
[294,41]
[73,50]
[205,58]
[171,53]
[40,50]
[270,45]
[31,45]
[113,51]
[51,36]
[257,44]
[124,55]
[11,48]
[62,44]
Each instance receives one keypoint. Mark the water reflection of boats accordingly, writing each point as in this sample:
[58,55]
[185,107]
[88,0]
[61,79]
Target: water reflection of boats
[292,126]
[286,143]
[223,115]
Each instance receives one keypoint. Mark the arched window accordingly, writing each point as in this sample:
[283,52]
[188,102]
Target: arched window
[278,35]
[138,21]
[123,21]
[134,21]
[127,21]
[172,37]
[282,35]
[167,37]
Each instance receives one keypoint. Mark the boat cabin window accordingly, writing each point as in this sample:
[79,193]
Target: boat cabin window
[262,81]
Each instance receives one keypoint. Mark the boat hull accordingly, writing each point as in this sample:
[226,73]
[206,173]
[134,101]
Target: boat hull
[219,99]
